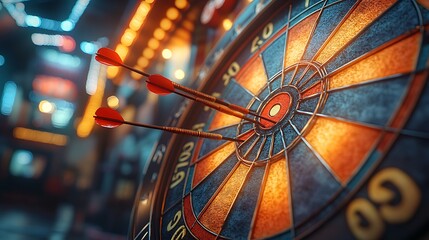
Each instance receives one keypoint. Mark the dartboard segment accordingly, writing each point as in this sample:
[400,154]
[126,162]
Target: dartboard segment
[371,103]
[331,16]
[252,76]
[343,146]
[206,164]
[238,222]
[215,212]
[399,56]
[204,190]
[206,145]
[298,36]
[273,215]
[351,26]
[312,183]
[387,27]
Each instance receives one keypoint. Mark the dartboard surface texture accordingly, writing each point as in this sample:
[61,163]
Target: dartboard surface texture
[347,154]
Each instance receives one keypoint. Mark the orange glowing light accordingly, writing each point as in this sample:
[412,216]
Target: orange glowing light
[136,22]
[227,24]
[179,74]
[143,62]
[153,43]
[143,9]
[122,51]
[128,37]
[172,13]
[113,102]
[165,24]
[40,136]
[148,53]
[159,34]
[181,4]
[112,71]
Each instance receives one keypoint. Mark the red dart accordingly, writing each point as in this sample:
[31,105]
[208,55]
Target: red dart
[109,118]
[111,58]
[108,57]
[163,85]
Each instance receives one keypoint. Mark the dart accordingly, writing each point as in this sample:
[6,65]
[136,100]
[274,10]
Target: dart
[161,85]
[109,118]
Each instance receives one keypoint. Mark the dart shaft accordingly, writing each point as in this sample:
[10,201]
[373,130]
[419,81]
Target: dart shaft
[219,101]
[135,70]
[185,131]
[219,107]
[174,130]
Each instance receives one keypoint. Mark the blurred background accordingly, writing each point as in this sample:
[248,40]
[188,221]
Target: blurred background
[61,176]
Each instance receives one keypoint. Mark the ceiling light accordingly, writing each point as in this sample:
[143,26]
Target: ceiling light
[166,53]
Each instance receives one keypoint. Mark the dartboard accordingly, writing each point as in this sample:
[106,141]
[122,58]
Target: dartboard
[346,153]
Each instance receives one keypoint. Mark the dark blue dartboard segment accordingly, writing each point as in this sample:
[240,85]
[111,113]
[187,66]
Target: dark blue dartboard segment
[239,220]
[266,148]
[297,74]
[309,82]
[205,190]
[288,76]
[308,73]
[289,134]
[309,104]
[372,103]
[245,146]
[301,10]
[300,120]
[273,61]
[235,93]
[419,119]
[311,182]
[246,127]
[275,83]
[209,145]
[278,142]
[255,104]
[253,154]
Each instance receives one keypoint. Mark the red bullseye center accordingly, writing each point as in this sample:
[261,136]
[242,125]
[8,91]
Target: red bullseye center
[275,109]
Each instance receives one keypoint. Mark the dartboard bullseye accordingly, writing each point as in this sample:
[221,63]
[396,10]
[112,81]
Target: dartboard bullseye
[338,144]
